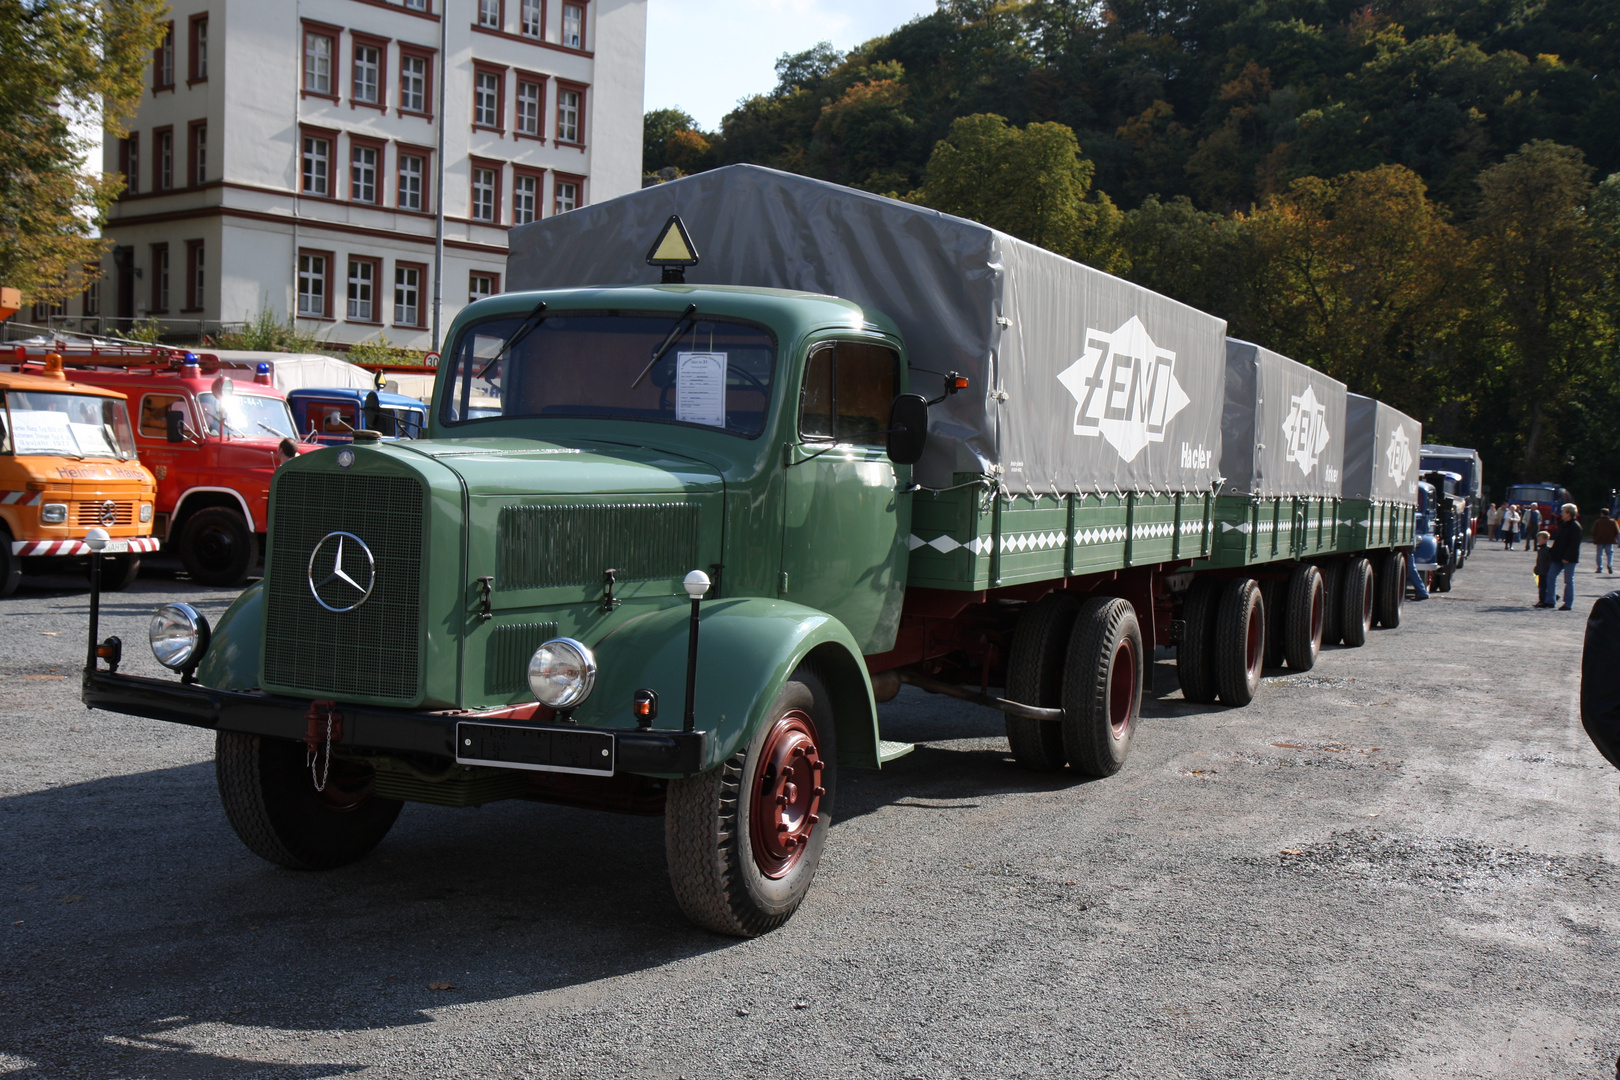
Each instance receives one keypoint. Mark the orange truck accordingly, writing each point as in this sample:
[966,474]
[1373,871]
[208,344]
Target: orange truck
[68,465]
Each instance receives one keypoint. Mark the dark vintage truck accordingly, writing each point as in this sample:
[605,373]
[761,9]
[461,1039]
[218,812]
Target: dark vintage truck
[677,530]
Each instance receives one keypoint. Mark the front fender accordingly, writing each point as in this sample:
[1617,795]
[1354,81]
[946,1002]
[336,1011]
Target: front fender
[232,659]
[747,648]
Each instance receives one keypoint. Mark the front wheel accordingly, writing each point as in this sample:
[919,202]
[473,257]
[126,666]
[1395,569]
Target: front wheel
[1102,686]
[743,840]
[217,547]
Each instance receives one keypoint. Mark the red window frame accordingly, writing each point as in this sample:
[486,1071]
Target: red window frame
[402,150]
[158,135]
[193,248]
[194,74]
[541,36]
[358,40]
[584,24]
[494,281]
[567,178]
[542,81]
[539,178]
[326,303]
[333,34]
[165,44]
[330,135]
[474,164]
[500,6]
[159,300]
[192,128]
[421,294]
[481,67]
[376,290]
[427,81]
[583,90]
[129,162]
[379,186]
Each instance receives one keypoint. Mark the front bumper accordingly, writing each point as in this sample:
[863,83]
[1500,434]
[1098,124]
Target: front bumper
[365,727]
[118,545]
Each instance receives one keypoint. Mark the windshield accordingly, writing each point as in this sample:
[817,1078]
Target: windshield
[1523,493]
[247,416]
[714,374]
[71,425]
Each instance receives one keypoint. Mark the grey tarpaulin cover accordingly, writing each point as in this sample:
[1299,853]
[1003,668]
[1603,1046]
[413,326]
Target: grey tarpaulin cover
[1462,460]
[1380,452]
[1282,432]
[1107,385]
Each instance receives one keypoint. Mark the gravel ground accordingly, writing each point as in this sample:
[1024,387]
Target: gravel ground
[1400,864]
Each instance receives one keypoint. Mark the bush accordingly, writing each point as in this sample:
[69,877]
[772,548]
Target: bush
[263,332]
[381,351]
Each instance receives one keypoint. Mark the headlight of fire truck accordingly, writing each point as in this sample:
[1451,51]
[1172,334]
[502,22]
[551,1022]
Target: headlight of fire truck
[179,636]
[562,673]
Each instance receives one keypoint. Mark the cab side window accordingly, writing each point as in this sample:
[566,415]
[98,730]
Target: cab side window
[5,436]
[154,407]
[848,389]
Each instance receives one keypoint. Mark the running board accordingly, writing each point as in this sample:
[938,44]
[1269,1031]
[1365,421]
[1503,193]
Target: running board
[1014,708]
[888,751]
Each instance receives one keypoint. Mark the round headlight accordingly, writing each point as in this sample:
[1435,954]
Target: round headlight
[562,673]
[179,636]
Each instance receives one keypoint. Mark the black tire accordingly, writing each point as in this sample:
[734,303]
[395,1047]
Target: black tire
[217,547]
[726,875]
[1302,623]
[1275,596]
[1356,602]
[10,566]
[1035,677]
[118,572]
[1442,581]
[1391,590]
[1102,686]
[270,799]
[1195,653]
[1240,638]
[1332,611]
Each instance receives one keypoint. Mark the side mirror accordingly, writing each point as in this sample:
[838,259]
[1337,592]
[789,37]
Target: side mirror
[908,428]
[175,423]
[372,415]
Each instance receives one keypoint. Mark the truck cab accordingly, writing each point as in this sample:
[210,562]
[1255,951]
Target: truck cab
[331,415]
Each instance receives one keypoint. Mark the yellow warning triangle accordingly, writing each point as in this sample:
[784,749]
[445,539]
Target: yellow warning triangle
[673,246]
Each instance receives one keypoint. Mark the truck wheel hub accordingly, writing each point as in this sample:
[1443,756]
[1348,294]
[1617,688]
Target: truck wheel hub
[786,799]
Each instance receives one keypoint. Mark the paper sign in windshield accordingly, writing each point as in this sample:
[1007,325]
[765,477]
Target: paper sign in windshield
[41,433]
[700,388]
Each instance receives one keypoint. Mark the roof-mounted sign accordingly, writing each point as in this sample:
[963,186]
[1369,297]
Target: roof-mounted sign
[673,251]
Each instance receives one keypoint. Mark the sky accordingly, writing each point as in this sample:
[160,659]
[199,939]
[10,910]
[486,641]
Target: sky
[703,55]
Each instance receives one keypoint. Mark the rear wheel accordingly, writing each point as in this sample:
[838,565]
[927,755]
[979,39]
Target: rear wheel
[270,798]
[1275,596]
[1332,609]
[1302,625]
[1391,589]
[10,565]
[1240,638]
[743,840]
[1356,603]
[1195,653]
[1102,686]
[217,547]
[1035,677]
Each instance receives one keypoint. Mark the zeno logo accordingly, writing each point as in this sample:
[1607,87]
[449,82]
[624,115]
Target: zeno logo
[1124,388]
[1306,430]
[1399,454]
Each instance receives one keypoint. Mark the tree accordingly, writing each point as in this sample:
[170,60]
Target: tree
[1195,256]
[1032,183]
[65,66]
[658,127]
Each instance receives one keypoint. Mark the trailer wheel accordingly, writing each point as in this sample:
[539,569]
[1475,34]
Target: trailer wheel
[1102,686]
[118,572]
[1274,594]
[10,565]
[1035,677]
[1302,629]
[1391,591]
[217,547]
[270,800]
[1240,639]
[1356,603]
[1195,653]
[743,840]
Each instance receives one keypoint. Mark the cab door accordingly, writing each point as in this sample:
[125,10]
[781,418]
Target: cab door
[846,521]
[174,464]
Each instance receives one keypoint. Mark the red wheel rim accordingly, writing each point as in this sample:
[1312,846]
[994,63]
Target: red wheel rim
[1254,646]
[348,785]
[787,789]
[1366,600]
[1316,611]
[1122,684]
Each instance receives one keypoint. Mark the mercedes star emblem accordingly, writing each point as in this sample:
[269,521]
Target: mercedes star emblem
[335,570]
[109,512]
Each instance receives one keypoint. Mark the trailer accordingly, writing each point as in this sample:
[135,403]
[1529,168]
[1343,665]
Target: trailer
[683,519]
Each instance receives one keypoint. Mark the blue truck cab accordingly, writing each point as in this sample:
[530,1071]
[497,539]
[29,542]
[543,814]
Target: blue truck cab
[331,414]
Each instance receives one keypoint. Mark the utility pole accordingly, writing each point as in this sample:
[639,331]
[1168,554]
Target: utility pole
[438,189]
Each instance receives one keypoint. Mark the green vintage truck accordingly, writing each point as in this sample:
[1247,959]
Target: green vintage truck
[679,525]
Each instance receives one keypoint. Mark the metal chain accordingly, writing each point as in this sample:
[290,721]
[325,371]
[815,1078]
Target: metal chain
[326,767]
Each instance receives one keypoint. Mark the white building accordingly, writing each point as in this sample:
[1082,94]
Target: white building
[285,155]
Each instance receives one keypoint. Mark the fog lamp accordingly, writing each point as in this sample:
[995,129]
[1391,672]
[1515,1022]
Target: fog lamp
[53,513]
[146,512]
[179,636]
[562,673]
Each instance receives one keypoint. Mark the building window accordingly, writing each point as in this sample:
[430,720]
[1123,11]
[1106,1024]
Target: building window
[199,48]
[487,100]
[163,162]
[367,74]
[131,154]
[566,194]
[317,165]
[489,13]
[568,102]
[318,50]
[362,290]
[416,5]
[363,174]
[163,61]
[412,168]
[573,26]
[530,95]
[525,198]
[92,295]
[481,284]
[194,275]
[485,193]
[530,19]
[199,152]
[160,277]
[312,290]
[407,295]
[413,83]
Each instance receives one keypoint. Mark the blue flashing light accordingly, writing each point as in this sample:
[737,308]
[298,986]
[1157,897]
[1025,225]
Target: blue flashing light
[263,368]
[191,358]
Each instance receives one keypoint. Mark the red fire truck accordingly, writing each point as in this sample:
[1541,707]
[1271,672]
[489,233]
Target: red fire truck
[212,443]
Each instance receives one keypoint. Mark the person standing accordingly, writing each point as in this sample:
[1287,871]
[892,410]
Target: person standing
[1493,522]
[1532,525]
[1566,552]
[1604,533]
[1510,526]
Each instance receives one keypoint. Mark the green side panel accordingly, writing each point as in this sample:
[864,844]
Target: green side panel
[1380,524]
[232,659]
[557,544]
[1251,530]
[506,669]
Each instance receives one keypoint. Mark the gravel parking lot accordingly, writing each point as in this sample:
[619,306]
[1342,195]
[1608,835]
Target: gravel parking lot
[1403,863]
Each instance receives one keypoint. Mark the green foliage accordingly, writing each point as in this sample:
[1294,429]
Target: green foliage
[63,61]
[382,351]
[147,330]
[263,332]
[670,137]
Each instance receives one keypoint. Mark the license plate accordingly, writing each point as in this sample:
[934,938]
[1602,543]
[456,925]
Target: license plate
[544,749]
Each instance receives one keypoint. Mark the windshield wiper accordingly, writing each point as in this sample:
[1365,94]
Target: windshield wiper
[525,328]
[658,353]
[271,430]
